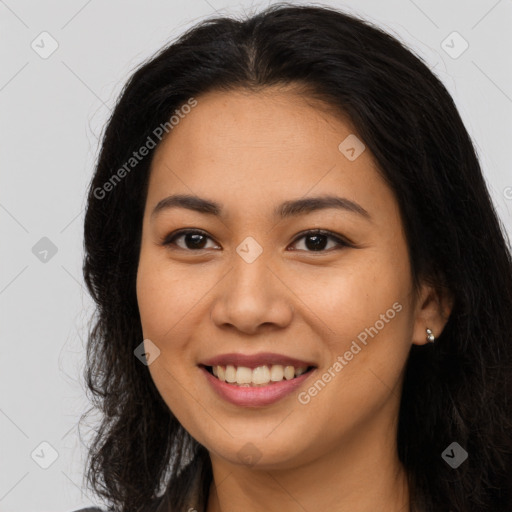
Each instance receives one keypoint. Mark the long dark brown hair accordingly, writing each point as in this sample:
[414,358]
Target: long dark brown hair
[458,389]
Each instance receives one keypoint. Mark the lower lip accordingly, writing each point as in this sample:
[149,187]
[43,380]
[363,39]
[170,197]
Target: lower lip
[255,396]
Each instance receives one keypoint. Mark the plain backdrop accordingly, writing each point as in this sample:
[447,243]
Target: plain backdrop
[53,109]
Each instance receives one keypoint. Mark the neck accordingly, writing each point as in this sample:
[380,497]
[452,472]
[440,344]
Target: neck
[362,474]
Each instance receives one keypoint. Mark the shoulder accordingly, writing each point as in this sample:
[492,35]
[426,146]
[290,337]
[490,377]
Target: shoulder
[96,509]
[89,509]
[151,508]
[185,487]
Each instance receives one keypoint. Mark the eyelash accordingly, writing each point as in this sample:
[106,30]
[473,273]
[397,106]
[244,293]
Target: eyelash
[169,239]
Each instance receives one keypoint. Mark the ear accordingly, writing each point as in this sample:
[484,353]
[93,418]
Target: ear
[432,310]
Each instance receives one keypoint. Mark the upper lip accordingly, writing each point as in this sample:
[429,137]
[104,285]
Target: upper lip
[254,360]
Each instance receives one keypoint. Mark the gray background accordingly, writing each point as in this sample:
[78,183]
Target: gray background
[52,113]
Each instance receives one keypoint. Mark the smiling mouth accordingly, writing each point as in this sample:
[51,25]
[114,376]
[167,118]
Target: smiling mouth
[257,377]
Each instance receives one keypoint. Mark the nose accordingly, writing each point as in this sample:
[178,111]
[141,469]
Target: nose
[252,298]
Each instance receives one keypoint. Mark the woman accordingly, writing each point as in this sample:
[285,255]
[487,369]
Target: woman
[304,293]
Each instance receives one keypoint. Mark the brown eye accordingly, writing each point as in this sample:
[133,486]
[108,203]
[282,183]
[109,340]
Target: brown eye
[317,240]
[192,239]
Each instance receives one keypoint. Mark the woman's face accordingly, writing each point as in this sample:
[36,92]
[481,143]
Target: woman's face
[255,283]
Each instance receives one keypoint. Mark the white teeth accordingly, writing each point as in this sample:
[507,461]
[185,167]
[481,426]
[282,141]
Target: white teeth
[259,376]
[276,373]
[289,372]
[230,373]
[243,375]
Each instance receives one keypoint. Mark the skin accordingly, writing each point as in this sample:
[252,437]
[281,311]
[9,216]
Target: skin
[251,151]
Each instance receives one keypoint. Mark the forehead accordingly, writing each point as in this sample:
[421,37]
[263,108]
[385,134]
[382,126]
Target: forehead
[271,145]
[228,126]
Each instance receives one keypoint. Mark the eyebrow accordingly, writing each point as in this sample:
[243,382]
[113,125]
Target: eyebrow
[291,208]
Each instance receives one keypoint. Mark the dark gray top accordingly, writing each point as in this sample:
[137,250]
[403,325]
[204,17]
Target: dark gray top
[161,504]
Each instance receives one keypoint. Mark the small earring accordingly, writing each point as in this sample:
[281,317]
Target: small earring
[430,336]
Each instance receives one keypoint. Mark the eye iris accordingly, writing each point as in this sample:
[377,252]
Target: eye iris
[318,244]
[197,243]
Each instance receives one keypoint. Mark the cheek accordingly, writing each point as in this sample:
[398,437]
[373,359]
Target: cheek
[166,304]
[165,296]
[355,295]
[366,312]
